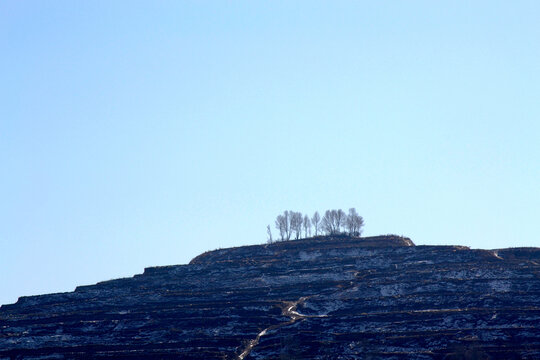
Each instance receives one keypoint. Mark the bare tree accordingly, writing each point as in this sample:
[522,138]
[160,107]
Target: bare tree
[269,233]
[296,223]
[354,223]
[280,227]
[339,219]
[291,223]
[315,220]
[327,224]
[283,225]
[288,221]
[359,226]
[307,226]
[332,221]
[349,222]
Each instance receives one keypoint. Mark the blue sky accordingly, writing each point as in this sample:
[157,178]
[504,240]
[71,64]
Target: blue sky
[137,134]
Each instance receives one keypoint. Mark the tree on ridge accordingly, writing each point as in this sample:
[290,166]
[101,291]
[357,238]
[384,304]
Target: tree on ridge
[332,221]
[354,223]
[307,226]
[296,223]
[283,226]
[269,233]
[315,221]
[291,223]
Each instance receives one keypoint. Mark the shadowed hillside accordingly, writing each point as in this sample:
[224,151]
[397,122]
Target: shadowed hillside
[333,297]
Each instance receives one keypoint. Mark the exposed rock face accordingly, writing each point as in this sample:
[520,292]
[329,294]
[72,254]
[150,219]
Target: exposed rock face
[323,298]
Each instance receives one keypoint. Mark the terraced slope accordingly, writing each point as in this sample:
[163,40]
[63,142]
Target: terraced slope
[321,298]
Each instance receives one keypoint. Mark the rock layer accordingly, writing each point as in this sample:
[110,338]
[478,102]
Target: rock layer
[320,298]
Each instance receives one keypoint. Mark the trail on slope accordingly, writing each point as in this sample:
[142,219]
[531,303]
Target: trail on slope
[288,309]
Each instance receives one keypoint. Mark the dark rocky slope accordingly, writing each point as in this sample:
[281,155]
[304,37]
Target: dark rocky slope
[322,298]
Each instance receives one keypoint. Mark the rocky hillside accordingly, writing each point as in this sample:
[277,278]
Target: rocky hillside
[322,298]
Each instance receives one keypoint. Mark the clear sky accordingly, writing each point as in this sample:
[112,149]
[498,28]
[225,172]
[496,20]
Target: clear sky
[136,134]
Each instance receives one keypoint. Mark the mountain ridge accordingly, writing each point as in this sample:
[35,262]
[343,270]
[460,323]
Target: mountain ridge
[330,297]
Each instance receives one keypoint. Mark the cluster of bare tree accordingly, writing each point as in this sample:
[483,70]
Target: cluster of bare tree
[290,224]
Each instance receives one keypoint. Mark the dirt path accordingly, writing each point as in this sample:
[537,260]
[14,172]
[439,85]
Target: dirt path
[288,309]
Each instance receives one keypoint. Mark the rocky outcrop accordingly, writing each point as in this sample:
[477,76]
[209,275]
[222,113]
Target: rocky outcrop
[320,298]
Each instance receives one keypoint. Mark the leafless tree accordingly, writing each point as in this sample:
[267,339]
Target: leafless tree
[283,225]
[315,221]
[332,221]
[339,218]
[296,223]
[269,233]
[349,222]
[359,226]
[327,223]
[280,226]
[307,226]
[354,223]
[291,223]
